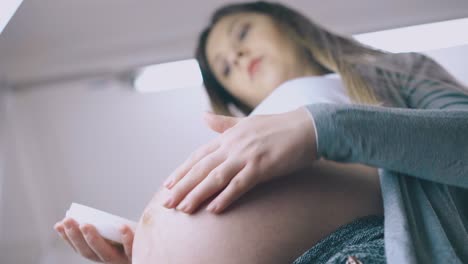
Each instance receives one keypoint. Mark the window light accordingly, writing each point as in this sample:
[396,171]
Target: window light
[168,76]
[7,9]
[419,38]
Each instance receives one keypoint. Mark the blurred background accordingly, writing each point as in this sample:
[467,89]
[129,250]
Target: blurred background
[75,126]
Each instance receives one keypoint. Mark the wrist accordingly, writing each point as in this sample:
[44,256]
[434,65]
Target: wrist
[310,137]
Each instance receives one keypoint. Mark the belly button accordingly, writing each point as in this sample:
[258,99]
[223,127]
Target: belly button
[147,218]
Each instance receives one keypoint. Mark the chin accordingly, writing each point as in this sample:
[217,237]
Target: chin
[272,81]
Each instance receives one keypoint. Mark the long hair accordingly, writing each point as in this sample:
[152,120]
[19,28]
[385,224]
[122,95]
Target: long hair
[330,51]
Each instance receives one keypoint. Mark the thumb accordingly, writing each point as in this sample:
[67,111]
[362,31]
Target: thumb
[220,123]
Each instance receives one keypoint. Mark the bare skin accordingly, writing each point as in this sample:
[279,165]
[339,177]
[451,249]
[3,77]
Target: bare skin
[274,223]
[236,40]
[86,241]
[277,221]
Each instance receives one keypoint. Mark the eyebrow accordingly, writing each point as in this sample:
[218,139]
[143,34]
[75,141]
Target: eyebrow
[231,26]
[229,32]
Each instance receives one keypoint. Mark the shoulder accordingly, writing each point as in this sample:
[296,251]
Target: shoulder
[407,66]
[393,75]
[408,62]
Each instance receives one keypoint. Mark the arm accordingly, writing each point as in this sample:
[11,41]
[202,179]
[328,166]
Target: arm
[422,82]
[429,144]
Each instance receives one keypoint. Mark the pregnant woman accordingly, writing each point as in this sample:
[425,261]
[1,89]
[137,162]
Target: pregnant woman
[317,184]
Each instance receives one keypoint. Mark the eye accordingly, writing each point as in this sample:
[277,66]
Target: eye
[226,70]
[244,31]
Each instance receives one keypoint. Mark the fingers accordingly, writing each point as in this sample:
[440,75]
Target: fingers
[86,241]
[106,252]
[240,184]
[193,178]
[212,184]
[60,228]
[220,123]
[183,169]
[127,240]
[78,241]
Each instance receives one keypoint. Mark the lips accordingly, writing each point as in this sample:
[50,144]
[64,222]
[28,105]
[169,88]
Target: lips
[253,66]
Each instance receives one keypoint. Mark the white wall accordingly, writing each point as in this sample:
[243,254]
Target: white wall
[454,60]
[95,143]
[19,221]
[98,143]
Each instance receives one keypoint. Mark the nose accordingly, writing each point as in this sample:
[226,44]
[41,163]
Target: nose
[238,56]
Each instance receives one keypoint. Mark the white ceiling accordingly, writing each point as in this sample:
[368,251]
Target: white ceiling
[50,39]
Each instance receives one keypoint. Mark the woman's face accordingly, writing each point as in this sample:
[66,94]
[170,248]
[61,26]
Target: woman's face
[251,56]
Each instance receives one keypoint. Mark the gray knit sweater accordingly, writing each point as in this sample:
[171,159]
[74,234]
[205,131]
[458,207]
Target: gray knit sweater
[419,142]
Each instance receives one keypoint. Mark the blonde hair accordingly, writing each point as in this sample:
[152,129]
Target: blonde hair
[329,51]
[339,54]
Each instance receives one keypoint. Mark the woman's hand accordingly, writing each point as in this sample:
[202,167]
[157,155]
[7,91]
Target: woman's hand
[87,242]
[249,151]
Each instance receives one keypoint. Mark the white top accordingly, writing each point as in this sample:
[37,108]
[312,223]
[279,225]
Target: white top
[295,93]
[303,91]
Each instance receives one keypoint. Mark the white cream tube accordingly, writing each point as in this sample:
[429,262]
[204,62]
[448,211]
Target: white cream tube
[106,224]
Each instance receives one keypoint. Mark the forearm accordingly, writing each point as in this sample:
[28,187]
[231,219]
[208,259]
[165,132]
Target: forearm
[430,144]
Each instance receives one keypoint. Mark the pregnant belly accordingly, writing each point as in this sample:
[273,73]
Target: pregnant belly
[273,223]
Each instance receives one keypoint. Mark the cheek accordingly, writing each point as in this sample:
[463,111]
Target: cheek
[243,89]
[281,63]
[273,73]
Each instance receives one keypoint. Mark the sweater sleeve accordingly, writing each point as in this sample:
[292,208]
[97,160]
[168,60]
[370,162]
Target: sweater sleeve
[430,143]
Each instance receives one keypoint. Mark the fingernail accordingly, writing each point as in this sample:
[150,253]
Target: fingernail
[182,206]
[84,229]
[211,208]
[167,183]
[67,225]
[168,202]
